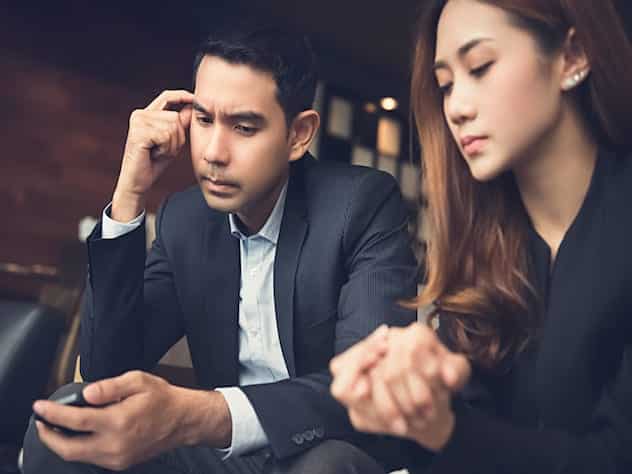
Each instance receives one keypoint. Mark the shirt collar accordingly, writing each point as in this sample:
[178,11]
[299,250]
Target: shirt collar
[271,228]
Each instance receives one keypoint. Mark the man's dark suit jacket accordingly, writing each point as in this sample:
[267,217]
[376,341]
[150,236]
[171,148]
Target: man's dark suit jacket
[343,262]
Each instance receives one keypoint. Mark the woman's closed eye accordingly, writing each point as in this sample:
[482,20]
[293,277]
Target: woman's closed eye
[477,72]
[481,70]
[445,89]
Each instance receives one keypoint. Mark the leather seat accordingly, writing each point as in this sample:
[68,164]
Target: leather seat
[30,333]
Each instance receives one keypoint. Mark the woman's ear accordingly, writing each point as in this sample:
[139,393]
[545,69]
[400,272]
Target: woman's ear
[576,66]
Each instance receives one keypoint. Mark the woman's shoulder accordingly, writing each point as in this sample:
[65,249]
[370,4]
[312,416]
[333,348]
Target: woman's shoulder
[620,167]
[616,198]
[619,177]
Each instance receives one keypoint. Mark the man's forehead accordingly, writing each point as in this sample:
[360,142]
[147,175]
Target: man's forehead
[233,87]
[216,69]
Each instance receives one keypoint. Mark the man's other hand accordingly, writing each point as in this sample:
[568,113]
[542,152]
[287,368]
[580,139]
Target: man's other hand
[142,417]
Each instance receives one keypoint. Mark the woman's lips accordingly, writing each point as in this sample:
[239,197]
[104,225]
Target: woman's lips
[473,145]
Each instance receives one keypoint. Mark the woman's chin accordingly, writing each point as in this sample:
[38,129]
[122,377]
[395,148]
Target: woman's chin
[484,177]
[485,169]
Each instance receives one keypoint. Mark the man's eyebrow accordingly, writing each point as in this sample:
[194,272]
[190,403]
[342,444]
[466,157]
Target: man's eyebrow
[197,106]
[462,51]
[245,116]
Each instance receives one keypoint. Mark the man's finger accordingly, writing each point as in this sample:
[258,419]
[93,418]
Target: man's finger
[363,353]
[349,366]
[74,418]
[387,410]
[69,448]
[171,100]
[420,391]
[185,116]
[116,389]
[362,422]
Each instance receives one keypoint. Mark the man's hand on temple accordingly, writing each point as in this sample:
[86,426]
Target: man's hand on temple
[143,417]
[155,138]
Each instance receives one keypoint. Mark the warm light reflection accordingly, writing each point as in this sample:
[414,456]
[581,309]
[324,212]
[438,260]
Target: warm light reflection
[370,107]
[388,103]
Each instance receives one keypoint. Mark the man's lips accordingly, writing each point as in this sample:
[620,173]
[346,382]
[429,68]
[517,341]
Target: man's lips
[219,185]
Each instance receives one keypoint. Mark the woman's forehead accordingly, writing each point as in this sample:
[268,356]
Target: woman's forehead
[464,21]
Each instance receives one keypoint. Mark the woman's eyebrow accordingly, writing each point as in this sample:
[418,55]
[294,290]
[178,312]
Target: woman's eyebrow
[462,51]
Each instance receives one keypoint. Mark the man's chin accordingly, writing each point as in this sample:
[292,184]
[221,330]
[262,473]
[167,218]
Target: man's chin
[226,204]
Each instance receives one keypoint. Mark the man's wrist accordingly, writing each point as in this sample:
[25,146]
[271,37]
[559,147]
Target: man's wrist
[126,206]
[205,419]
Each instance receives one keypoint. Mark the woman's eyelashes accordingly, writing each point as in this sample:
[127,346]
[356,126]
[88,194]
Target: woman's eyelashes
[445,89]
[481,70]
[477,72]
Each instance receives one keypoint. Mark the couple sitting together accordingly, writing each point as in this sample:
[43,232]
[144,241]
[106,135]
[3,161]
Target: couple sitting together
[294,282]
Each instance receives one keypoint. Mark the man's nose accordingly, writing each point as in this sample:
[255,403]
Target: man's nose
[217,148]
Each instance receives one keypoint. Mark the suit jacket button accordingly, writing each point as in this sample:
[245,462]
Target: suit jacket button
[319,432]
[309,435]
[298,438]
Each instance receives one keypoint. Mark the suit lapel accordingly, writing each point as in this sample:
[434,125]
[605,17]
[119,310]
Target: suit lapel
[291,237]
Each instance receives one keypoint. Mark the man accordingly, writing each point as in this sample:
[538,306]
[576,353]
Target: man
[272,265]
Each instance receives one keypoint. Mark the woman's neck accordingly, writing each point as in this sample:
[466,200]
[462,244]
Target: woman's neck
[554,180]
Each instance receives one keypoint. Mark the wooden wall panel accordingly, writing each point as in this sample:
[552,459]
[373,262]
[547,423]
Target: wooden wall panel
[63,128]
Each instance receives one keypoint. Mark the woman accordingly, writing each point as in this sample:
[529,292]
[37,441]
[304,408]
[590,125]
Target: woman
[522,112]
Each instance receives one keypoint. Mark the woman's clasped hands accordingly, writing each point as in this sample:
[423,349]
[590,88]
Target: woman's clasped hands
[400,381]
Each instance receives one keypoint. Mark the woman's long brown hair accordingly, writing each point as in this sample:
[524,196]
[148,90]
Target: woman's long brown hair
[477,269]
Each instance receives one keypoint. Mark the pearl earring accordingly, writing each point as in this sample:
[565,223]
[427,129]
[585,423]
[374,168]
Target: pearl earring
[574,80]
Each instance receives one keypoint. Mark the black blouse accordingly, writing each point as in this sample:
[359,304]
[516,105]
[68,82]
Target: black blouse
[565,405]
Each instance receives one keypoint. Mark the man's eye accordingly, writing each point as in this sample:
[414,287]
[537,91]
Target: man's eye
[479,71]
[204,120]
[245,129]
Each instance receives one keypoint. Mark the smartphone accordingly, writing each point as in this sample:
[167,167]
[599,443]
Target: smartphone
[75,399]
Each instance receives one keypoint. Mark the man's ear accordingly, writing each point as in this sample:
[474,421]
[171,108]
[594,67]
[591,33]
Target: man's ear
[575,66]
[302,131]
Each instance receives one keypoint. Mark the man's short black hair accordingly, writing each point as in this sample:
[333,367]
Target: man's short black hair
[286,55]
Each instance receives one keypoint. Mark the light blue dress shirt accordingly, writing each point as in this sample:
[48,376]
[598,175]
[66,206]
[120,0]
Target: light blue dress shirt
[260,356]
